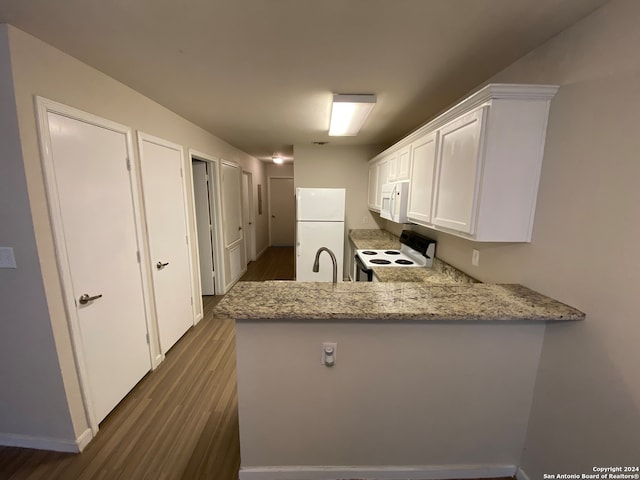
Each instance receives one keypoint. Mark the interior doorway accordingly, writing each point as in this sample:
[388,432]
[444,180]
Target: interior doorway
[282,212]
[208,222]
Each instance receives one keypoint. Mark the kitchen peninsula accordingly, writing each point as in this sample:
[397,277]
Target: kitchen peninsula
[430,380]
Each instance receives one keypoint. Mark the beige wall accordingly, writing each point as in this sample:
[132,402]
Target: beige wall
[39,69]
[282,170]
[32,397]
[339,167]
[587,397]
[401,394]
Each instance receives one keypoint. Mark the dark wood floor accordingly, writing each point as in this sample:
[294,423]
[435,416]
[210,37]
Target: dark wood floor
[180,422]
[277,263]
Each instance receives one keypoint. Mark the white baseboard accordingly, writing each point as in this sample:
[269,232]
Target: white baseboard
[521,475]
[46,443]
[84,439]
[422,472]
[259,254]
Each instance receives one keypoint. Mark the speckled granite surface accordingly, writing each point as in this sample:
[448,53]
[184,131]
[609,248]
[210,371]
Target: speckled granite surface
[441,272]
[280,300]
[373,239]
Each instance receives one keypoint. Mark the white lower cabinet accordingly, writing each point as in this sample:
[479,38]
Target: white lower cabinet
[423,161]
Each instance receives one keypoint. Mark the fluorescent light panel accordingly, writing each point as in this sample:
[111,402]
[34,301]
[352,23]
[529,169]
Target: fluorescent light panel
[348,114]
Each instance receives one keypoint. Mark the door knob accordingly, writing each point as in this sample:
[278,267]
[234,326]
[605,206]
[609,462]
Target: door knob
[85,298]
[273,216]
[239,228]
[161,265]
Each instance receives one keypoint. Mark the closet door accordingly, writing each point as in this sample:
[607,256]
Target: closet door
[92,196]
[165,206]
[231,185]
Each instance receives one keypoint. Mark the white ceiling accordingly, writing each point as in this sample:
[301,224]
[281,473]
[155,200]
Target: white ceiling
[260,73]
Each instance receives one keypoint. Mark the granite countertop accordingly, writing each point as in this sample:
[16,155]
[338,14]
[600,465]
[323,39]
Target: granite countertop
[441,272]
[281,300]
[373,239]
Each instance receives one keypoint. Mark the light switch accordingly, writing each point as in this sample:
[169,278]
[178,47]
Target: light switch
[7,260]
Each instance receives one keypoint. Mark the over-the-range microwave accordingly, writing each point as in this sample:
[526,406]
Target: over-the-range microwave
[395,197]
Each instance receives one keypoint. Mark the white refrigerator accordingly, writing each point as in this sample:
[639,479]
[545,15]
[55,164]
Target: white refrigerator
[319,223]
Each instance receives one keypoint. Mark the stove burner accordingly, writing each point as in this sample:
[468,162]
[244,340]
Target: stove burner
[368,252]
[380,261]
[392,252]
[402,261]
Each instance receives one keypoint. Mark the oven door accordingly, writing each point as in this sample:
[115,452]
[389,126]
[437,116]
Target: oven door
[363,274]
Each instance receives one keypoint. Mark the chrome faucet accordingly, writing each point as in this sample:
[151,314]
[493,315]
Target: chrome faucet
[316,264]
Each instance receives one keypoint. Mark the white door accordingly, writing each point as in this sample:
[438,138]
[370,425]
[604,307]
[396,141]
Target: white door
[204,226]
[282,208]
[164,199]
[458,173]
[231,203]
[90,187]
[247,216]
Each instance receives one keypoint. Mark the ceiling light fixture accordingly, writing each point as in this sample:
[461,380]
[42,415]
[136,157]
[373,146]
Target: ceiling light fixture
[277,159]
[348,114]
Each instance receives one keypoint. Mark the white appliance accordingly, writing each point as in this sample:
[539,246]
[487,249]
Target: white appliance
[415,251]
[319,223]
[395,197]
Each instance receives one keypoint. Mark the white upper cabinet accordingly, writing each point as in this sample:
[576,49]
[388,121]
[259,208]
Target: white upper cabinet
[457,174]
[474,170]
[399,164]
[403,164]
[378,175]
[392,161]
[373,186]
[423,161]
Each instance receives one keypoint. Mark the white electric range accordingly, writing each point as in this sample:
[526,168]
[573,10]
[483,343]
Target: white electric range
[415,251]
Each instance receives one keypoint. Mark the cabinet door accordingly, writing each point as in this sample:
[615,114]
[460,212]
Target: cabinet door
[392,160]
[458,172]
[423,161]
[373,185]
[383,177]
[403,168]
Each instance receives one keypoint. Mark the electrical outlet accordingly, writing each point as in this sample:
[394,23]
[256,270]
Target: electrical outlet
[7,260]
[475,257]
[329,353]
